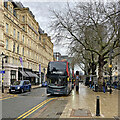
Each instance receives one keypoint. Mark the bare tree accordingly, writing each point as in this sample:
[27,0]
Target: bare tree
[91,25]
[86,60]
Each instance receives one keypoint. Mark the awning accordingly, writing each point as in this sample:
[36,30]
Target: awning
[23,73]
[32,74]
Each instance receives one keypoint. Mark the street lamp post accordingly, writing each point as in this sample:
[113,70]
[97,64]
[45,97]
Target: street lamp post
[3,56]
[2,77]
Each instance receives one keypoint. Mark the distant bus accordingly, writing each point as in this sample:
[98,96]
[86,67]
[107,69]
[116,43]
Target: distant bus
[59,78]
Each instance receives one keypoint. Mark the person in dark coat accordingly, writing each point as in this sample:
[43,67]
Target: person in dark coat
[77,82]
[115,84]
[90,83]
[104,86]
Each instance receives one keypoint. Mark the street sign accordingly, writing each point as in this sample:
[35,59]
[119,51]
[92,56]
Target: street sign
[2,72]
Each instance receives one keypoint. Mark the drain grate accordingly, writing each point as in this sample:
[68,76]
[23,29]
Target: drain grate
[59,113]
[80,113]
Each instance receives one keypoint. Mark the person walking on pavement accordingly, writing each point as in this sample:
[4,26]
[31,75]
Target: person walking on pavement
[104,86]
[115,84]
[77,80]
[90,83]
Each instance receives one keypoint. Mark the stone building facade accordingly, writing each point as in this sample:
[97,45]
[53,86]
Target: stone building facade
[22,37]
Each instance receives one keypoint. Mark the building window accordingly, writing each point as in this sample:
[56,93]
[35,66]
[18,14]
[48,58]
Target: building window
[18,16]
[18,35]
[23,28]
[28,64]
[8,7]
[14,13]
[6,28]
[14,47]
[23,18]
[13,60]
[18,49]
[6,61]
[40,38]
[23,52]
[33,67]
[23,38]
[13,76]
[28,53]
[5,4]
[7,44]
[43,43]
[11,9]
[14,33]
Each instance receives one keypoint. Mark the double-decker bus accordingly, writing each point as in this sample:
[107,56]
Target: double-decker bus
[59,78]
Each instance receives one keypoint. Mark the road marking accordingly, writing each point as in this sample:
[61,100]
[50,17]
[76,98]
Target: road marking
[7,97]
[24,115]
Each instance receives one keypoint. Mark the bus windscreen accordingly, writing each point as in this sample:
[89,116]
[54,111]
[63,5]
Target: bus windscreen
[57,68]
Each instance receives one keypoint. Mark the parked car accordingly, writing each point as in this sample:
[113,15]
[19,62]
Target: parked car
[44,84]
[20,86]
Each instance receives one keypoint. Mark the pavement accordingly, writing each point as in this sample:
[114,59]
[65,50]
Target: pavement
[82,104]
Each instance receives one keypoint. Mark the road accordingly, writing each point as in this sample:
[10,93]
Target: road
[28,104]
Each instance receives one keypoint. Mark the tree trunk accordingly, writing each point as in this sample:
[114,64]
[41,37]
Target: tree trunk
[100,72]
[93,69]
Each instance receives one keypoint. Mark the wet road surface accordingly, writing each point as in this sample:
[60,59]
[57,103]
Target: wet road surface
[14,107]
[37,104]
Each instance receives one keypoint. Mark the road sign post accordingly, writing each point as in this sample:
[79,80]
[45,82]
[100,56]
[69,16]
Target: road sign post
[2,77]
[3,72]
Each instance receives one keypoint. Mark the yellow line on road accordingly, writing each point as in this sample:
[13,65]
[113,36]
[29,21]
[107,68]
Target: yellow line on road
[7,98]
[34,109]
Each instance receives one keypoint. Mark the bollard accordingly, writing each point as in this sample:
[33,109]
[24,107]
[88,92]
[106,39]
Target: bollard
[2,88]
[97,106]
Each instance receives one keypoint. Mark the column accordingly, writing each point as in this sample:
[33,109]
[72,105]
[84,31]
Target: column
[7,77]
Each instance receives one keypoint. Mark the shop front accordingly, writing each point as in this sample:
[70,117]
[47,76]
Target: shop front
[11,74]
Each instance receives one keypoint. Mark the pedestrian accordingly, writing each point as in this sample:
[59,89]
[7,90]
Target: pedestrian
[77,82]
[104,86]
[115,84]
[90,83]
